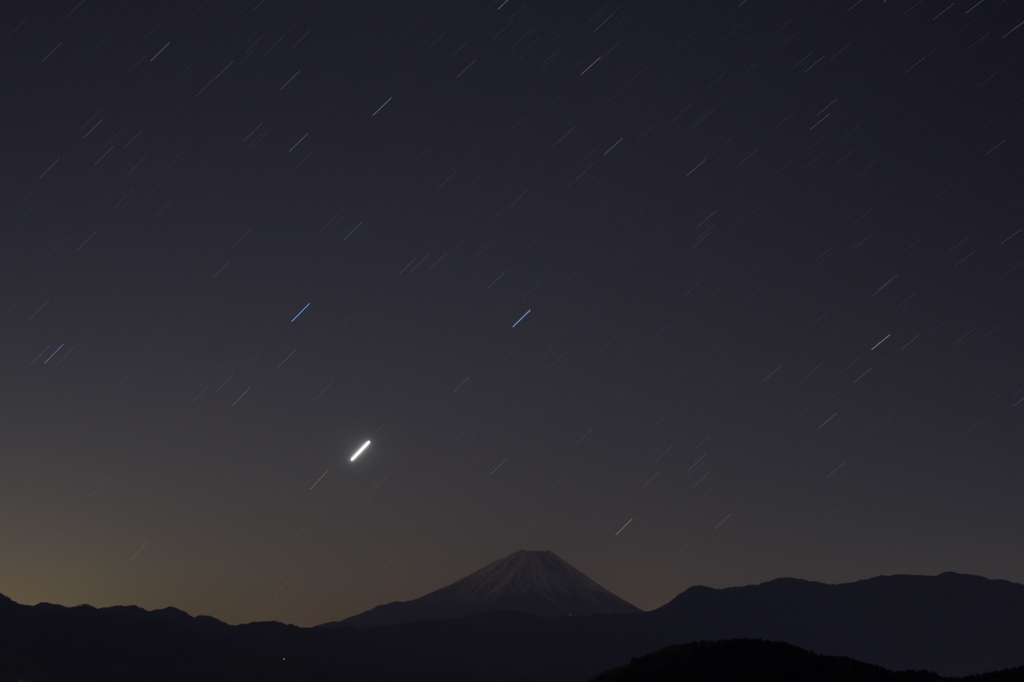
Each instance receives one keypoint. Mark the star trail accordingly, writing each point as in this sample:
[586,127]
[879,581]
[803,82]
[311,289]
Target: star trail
[688,293]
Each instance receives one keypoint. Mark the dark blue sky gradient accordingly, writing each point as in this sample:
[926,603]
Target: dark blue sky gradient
[770,252]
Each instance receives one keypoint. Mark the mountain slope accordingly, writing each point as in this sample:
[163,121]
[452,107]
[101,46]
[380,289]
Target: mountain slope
[48,643]
[534,582]
[953,624]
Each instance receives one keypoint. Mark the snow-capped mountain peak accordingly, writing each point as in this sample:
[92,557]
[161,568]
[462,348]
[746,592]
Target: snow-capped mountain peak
[535,582]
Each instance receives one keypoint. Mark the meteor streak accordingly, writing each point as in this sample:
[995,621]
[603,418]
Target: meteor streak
[359,451]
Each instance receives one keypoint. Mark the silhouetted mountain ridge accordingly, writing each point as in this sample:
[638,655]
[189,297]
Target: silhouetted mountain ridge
[952,624]
[898,621]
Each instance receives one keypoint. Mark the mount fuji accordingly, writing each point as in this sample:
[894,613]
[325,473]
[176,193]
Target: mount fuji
[534,582]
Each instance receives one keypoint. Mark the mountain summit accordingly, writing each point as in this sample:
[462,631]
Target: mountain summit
[535,582]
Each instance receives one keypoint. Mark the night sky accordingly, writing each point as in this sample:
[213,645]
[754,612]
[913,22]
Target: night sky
[693,292]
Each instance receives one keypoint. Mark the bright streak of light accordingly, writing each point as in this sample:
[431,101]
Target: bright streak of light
[381,107]
[359,451]
[319,479]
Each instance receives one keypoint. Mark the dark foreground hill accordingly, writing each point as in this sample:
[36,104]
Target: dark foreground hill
[82,644]
[951,624]
[736,660]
